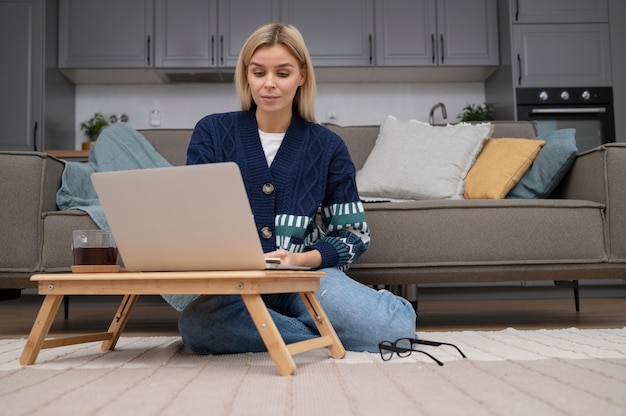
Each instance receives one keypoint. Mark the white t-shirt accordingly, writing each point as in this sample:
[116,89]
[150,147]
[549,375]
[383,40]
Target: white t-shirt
[271,142]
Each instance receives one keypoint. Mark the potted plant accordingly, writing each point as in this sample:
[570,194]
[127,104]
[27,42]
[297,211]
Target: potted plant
[92,128]
[476,112]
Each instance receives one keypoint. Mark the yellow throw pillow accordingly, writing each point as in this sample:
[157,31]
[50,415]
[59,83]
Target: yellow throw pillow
[500,166]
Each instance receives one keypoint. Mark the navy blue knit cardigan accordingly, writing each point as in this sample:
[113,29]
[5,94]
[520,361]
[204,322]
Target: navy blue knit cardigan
[311,170]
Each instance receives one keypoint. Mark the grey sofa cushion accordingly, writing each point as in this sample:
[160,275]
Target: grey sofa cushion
[170,143]
[598,175]
[360,141]
[514,129]
[24,196]
[484,232]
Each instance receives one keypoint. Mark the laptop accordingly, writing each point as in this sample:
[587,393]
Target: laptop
[182,218]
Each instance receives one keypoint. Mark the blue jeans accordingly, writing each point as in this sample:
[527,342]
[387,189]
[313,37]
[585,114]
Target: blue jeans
[361,316]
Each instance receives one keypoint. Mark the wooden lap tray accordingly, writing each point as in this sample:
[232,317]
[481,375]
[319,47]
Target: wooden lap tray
[249,284]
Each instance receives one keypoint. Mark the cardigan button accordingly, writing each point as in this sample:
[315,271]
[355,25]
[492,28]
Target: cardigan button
[266,232]
[268,188]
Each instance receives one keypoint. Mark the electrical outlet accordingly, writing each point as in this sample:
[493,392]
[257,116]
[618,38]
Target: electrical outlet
[155,117]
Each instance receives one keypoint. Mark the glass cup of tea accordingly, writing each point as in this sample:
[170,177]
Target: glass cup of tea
[94,247]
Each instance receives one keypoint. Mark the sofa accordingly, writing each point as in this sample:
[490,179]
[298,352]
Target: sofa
[578,233]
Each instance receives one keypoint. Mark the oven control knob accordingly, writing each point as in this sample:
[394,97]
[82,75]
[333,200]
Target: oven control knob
[565,95]
[586,95]
[543,95]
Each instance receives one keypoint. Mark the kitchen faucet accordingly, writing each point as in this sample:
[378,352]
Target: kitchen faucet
[444,113]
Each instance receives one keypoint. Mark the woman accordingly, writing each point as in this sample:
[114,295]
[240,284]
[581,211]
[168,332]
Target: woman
[291,168]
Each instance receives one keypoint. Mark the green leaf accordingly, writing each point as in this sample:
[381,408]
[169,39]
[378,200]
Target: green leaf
[476,112]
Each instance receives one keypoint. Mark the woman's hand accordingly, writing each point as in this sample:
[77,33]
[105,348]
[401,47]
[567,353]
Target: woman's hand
[312,259]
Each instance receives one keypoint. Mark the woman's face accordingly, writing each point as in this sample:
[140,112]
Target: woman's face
[274,76]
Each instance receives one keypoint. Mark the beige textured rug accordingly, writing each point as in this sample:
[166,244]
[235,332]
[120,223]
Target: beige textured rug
[510,372]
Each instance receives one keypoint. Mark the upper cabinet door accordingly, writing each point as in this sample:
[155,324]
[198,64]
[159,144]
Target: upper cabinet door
[105,34]
[406,32]
[467,32]
[563,55]
[337,33]
[559,11]
[185,33]
[437,32]
[237,20]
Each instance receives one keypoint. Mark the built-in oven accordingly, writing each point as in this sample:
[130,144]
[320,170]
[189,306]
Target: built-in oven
[588,110]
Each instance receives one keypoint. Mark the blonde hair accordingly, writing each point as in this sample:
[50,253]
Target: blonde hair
[269,35]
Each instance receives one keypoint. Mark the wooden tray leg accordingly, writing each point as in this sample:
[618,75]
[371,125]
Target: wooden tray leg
[41,327]
[270,335]
[323,323]
[119,321]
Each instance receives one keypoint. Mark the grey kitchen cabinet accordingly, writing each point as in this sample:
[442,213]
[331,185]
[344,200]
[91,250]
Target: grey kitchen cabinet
[337,33]
[468,32]
[560,11]
[237,20]
[186,32]
[436,33]
[207,33]
[560,43]
[406,32]
[37,101]
[106,34]
[562,55]
[156,41]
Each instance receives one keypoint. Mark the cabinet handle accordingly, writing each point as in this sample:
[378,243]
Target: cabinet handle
[148,49]
[222,50]
[35,127]
[212,50]
[516,10]
[371,51]
[519,69]
[442,49]
[432,45]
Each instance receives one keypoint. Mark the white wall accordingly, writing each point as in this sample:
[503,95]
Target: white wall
[182,105]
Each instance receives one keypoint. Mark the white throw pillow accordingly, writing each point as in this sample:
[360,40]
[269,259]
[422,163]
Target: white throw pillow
[414,160]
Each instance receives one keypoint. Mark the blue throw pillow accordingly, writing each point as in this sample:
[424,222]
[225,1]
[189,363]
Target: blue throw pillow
[552,163]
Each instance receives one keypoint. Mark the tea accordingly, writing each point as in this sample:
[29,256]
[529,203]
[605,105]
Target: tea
[95,255]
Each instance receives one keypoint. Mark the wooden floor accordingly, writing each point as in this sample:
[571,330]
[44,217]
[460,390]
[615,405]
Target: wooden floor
[438,310]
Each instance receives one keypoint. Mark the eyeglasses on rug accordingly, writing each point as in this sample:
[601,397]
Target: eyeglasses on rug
[403,347]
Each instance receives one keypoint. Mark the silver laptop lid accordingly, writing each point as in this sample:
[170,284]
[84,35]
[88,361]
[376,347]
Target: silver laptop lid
[181,218]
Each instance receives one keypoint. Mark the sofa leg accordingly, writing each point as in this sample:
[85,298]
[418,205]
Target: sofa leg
[574,285]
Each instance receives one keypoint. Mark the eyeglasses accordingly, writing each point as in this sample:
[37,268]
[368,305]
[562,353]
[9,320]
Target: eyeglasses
[403,347]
